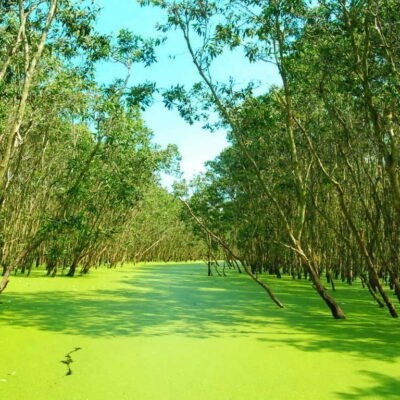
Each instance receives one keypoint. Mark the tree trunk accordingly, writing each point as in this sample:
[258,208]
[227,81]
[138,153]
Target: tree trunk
[336,310]
[73,266]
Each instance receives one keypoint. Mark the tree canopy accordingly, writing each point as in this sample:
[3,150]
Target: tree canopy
[309,186]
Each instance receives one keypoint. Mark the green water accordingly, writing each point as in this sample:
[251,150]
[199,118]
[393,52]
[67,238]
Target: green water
[165,332]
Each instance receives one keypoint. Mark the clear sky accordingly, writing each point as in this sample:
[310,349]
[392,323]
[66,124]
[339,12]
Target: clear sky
[196,145]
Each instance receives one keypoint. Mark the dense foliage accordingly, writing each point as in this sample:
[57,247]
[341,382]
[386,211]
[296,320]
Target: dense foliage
[79,173]
[311,183]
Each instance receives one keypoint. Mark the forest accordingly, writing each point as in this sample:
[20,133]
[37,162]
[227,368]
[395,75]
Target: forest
[304,200]
[79,172]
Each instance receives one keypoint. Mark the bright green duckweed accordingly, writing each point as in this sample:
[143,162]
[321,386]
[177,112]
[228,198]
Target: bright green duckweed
[160,332]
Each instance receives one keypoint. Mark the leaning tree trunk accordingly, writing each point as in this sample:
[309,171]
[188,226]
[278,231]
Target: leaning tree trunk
[72,268]
[312,268]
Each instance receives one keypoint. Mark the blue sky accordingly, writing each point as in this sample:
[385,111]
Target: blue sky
[196,145]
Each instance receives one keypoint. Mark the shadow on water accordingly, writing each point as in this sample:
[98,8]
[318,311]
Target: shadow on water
[180,299]
[384,387]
